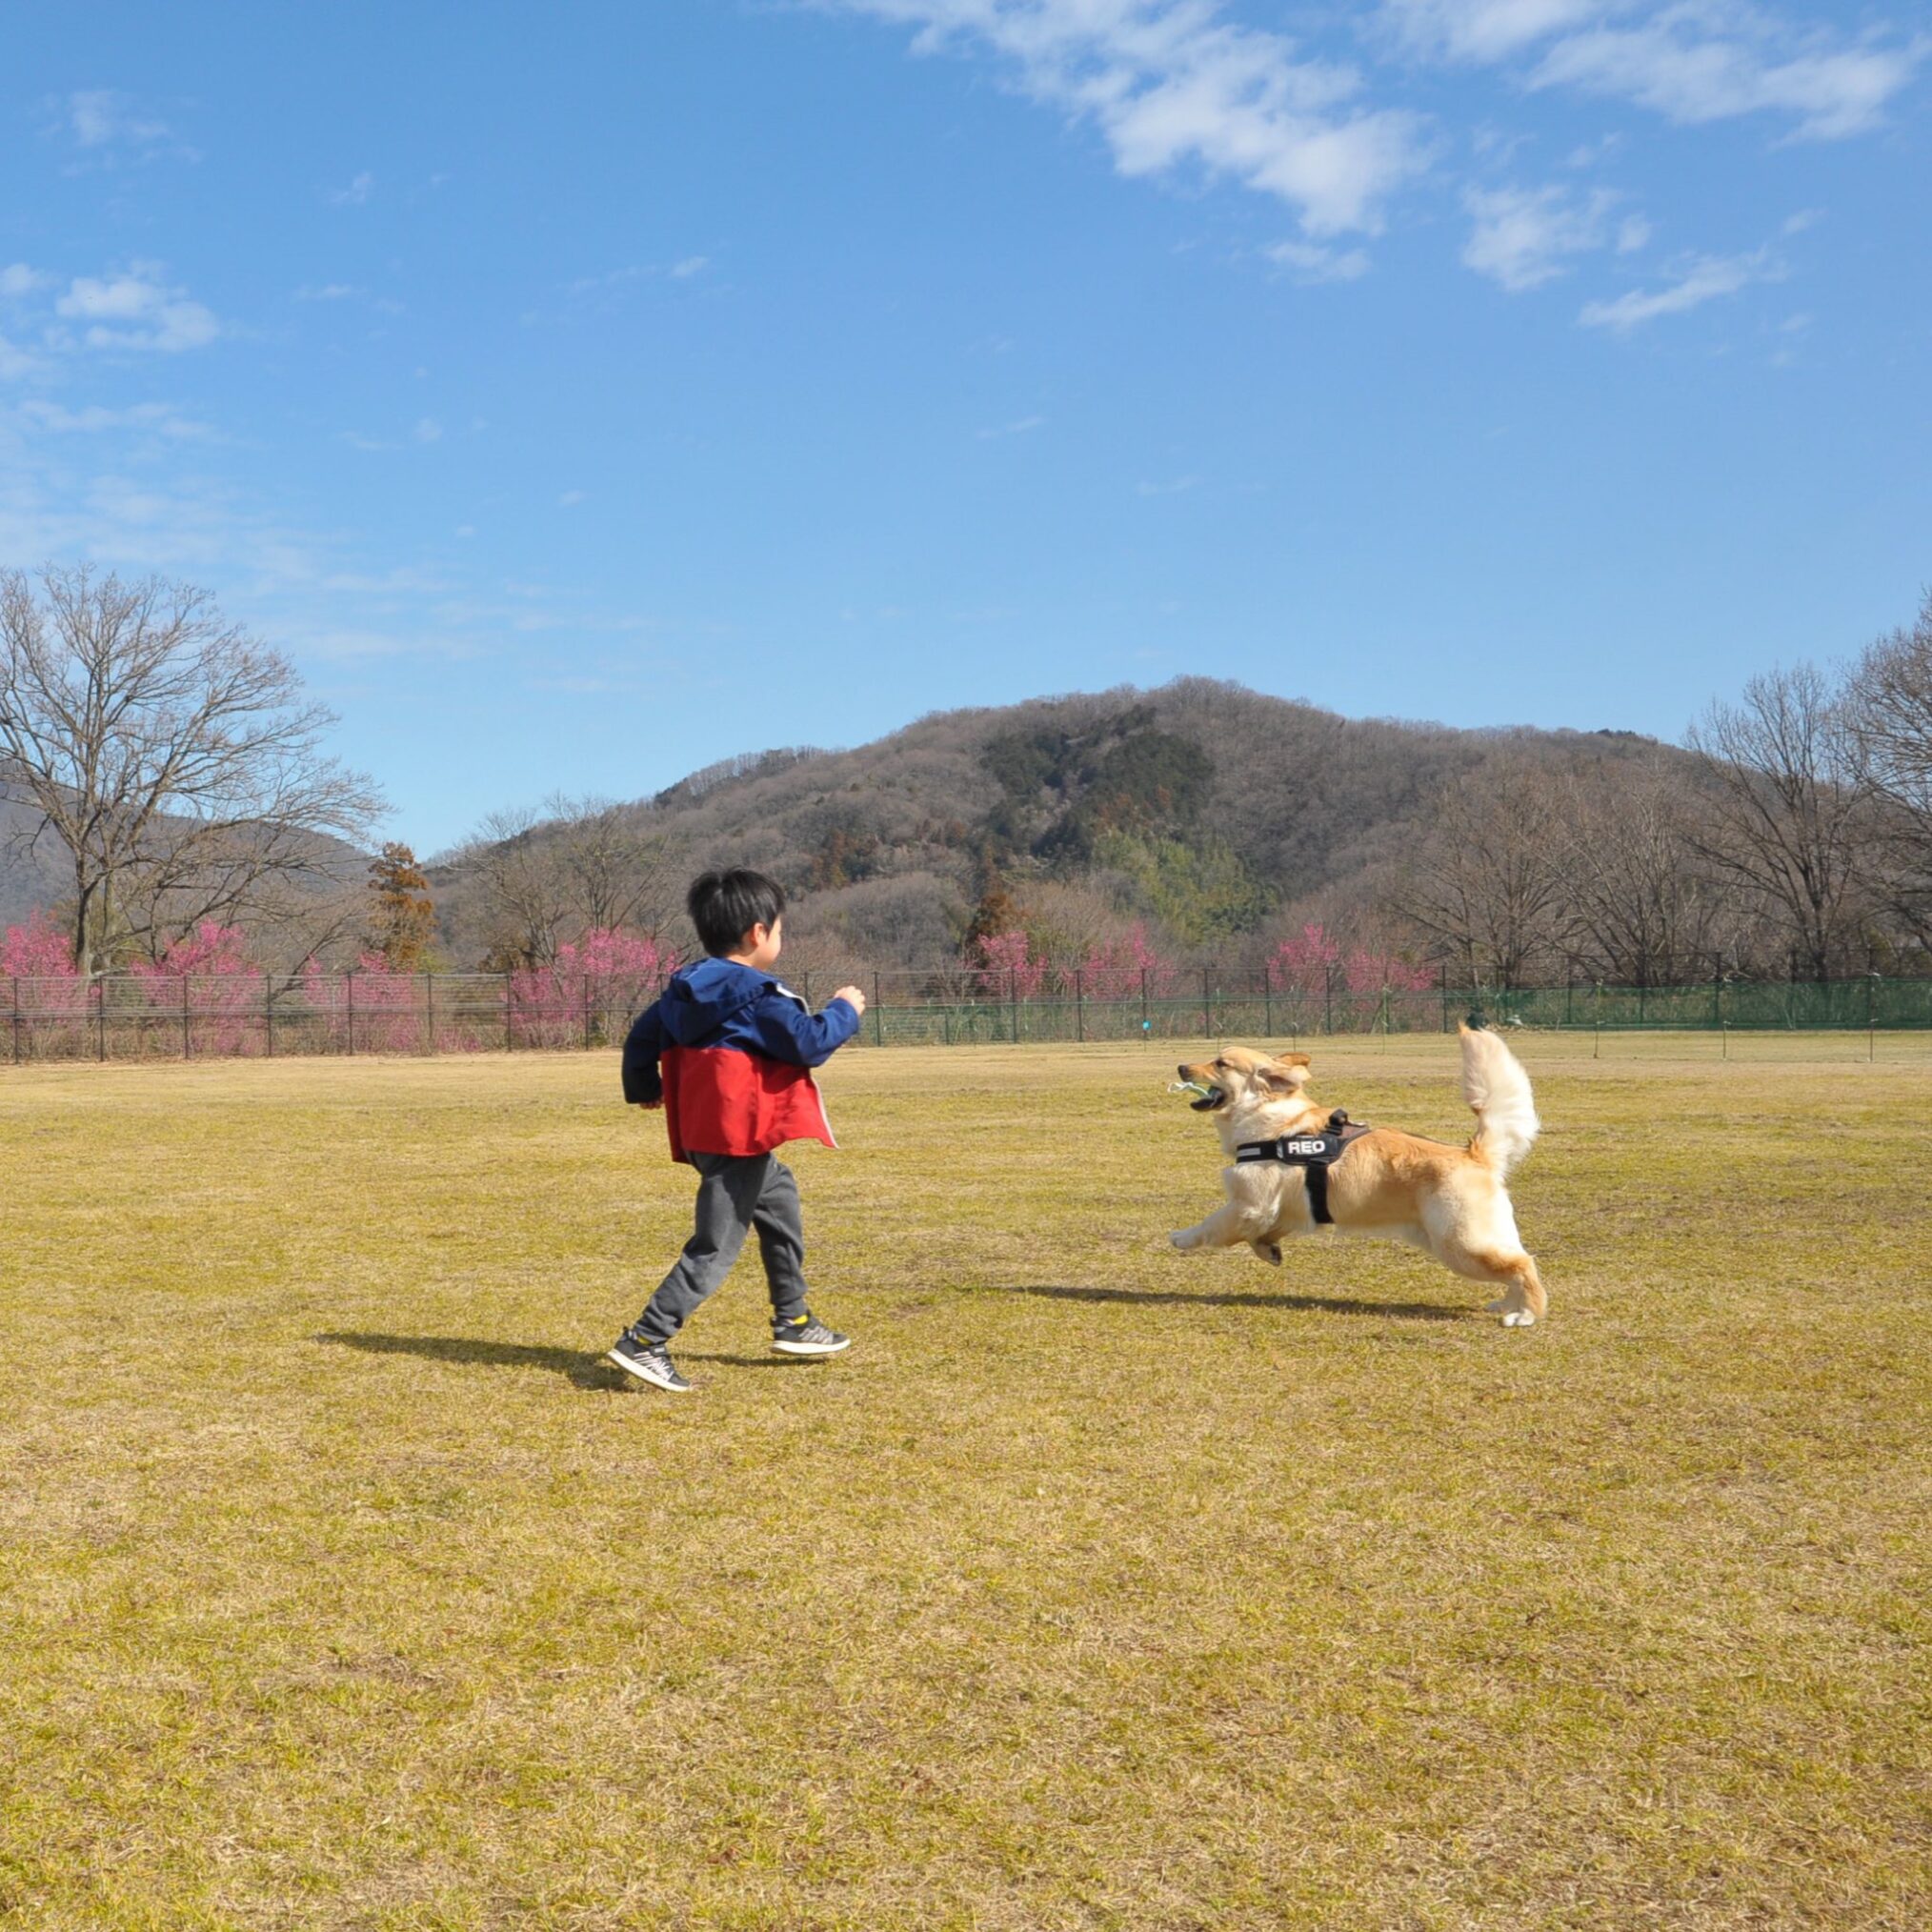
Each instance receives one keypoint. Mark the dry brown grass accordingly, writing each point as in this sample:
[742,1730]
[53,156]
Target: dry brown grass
[1096,1587]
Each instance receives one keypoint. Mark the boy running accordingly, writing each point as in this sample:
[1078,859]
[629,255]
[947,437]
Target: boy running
[727,1052]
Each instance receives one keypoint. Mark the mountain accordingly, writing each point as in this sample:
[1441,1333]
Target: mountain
[1202,807]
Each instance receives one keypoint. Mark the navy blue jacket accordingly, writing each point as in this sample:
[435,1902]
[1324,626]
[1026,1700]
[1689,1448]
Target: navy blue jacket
[720,1003]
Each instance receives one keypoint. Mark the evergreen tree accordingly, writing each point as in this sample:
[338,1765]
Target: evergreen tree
[402,916]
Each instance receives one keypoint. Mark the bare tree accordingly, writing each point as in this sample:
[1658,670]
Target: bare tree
[620,861]
[1790,814]
[169,753]
[1644,912]
[1489,884]
[1889,708]
[524,885]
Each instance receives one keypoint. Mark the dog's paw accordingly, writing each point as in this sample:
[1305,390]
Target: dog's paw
[1517,1317]
[1269,1251]
[1180,1240]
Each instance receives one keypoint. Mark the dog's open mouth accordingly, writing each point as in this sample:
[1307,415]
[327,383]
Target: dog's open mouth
[1211,1097]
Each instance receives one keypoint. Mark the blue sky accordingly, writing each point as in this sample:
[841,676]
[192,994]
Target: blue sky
[583,393]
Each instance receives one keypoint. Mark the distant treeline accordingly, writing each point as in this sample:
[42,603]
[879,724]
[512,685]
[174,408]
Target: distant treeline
[1789,836]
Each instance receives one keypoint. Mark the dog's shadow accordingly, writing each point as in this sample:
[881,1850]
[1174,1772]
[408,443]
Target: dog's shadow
[1321,1304]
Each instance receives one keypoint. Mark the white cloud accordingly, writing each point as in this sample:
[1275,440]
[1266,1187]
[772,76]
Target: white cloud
[570,499]
[1523,235]
[17,279]
[1483,29]
[157,418]
[1312,262]
[427,431]
[1020,427]
[1171,84]
[1667,66]
[136,309]
[689,266]
[102,119]
[1633,233]
[1707,278]
[15,362]
[356,192]
[1689,60]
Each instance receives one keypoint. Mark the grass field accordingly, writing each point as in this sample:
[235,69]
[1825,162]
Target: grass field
[1096,1586]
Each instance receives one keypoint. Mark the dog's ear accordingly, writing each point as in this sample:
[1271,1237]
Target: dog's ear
[1286,1072]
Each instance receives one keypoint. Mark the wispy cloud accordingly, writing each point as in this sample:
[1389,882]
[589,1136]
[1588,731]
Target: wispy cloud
[18,280]
[571,498]
[1020,427]
[1704,280]
[355,194]
[161,419]
[135,309]
[1313,262]
[1171,84]
[1523,237]
[107,125]
[1691,61]
[691,265]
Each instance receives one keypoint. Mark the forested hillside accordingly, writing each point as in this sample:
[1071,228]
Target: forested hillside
[1207,813]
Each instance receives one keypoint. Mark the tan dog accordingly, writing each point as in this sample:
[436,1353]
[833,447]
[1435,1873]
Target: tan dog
[1449,1202]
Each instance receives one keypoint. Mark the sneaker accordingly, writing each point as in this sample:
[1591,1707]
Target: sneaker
[805,1334]
[649,1361]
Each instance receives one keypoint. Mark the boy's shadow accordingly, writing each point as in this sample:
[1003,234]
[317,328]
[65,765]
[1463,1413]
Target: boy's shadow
[582,1370]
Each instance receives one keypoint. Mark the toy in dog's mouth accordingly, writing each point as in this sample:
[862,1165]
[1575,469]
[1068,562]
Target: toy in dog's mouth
[1211,1097]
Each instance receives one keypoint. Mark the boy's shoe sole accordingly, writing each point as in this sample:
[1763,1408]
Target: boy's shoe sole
[838,1347]
[647,1372]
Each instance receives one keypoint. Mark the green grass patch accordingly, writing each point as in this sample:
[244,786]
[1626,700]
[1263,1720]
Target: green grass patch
[1096,1587]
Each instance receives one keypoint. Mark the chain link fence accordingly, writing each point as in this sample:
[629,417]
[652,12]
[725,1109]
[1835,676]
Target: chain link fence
[228,1016]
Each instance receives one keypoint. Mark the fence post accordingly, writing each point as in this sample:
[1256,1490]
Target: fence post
[509,1038]
[878,1012]
[1012,998]
[16,1020]
[101,1018]
[268,1015]
[349,1007]
[1385,1013]
[1079,1009]
[187,1025]
[1327,998]
[429,1012]
[587,1012]
[1717,1000]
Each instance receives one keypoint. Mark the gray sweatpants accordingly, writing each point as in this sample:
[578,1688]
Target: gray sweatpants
[735,1193]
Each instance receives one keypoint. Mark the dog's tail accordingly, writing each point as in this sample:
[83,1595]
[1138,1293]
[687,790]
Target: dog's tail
[1497,1088]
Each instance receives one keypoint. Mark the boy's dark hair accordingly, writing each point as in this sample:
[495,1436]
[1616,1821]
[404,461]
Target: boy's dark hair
[724,906]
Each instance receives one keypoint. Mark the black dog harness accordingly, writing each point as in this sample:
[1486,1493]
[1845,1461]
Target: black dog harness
[1314,1154]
